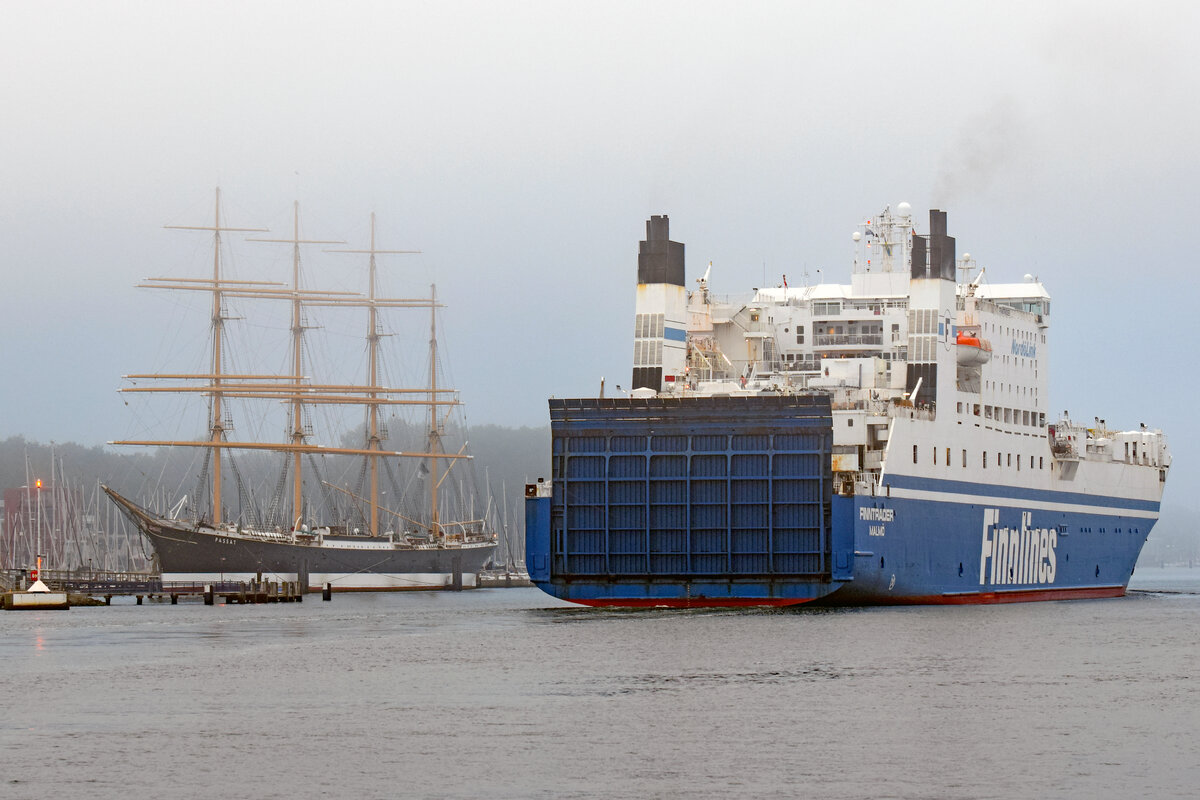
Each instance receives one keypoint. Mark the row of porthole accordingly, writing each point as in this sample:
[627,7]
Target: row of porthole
[1041,462]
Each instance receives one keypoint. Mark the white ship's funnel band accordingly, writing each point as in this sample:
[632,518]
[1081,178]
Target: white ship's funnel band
[660,323]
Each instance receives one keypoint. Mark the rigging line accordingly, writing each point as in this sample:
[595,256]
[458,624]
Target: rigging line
[201,483]
[358,508]
[358,489]
[243,493]
[275,509]
[397,492]
[327,498]
[381,508]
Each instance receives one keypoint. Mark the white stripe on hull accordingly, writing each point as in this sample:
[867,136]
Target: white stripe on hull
[1020,502]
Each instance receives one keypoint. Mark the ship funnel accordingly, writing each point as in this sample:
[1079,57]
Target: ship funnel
[660,337]
[931,304]
[933,255]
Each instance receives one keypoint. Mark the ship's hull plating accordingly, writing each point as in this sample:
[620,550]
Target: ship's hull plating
[928,552]
[186,554]
[1010,550]
[713,502]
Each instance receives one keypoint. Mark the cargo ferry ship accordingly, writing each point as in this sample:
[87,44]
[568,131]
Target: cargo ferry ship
[886,441]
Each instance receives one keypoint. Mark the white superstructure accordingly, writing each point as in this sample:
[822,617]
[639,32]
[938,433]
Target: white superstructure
[935,372]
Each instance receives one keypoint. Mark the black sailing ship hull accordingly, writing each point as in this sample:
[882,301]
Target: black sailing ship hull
[348,563]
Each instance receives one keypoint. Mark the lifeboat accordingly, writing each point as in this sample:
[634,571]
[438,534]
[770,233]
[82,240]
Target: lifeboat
[973,351]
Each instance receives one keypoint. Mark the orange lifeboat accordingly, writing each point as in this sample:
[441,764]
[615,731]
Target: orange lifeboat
[973,350]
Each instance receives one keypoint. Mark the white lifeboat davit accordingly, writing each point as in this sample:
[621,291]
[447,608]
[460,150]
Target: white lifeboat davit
[973,350]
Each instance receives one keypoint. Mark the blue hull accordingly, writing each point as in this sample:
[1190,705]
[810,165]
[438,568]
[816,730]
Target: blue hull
[930,553]
[687,504]
[948,552]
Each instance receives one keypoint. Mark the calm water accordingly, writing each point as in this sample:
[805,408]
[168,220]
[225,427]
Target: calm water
[506,693]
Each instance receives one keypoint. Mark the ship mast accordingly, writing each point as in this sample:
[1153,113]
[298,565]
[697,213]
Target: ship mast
[216,426]
[374,440]
[298,432]
[434,437]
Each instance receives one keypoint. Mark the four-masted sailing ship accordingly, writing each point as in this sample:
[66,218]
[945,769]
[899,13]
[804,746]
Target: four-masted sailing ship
[389,549]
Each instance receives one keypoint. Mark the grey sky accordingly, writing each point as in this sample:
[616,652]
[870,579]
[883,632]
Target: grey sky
[522,146]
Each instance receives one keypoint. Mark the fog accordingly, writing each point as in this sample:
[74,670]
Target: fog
[521,147]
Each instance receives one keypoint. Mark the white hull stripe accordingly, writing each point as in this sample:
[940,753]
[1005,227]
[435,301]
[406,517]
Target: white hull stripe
[1017,502]
[1022,495]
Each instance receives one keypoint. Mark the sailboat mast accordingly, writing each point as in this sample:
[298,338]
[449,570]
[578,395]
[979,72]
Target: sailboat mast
[434,437]
[216,428]
[297,370]
[297,387]
[374,437]
[373,442]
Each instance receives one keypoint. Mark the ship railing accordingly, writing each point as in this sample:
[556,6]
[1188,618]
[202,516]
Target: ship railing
[763,370]
[86,580]
[849,340]
[873,305]
[262,536]
[800,365]
[898,411]
[879,407]
[866,482]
